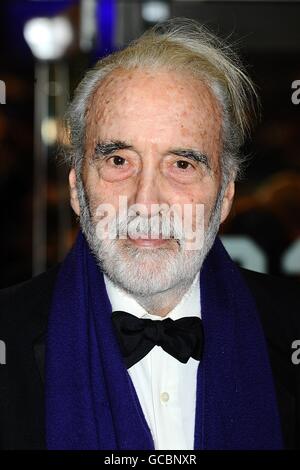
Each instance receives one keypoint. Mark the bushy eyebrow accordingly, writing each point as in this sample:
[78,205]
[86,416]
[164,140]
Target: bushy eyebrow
[104,148]
[107,147]
[192,154]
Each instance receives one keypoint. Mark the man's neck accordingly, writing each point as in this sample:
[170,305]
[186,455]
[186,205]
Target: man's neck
[162,303]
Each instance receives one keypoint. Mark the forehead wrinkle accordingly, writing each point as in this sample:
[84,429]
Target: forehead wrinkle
[108,104]
[153,82]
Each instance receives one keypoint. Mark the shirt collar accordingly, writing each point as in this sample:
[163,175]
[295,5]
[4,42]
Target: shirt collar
[189,305]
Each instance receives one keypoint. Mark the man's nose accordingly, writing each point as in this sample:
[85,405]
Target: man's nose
[148,192]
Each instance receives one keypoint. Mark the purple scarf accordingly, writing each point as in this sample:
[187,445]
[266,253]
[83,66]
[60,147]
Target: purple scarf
[91,402]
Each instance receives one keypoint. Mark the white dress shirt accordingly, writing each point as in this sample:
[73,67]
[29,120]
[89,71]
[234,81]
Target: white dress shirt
[166,388]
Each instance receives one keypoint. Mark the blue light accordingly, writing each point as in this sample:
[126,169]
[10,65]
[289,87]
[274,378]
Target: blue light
[106,25]
[18,12]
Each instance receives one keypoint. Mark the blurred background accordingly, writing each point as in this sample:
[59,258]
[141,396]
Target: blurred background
[45,48]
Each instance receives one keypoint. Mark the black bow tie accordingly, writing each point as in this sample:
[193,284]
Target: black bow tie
[181,338]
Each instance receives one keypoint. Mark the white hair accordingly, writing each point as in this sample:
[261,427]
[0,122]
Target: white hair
[178,44]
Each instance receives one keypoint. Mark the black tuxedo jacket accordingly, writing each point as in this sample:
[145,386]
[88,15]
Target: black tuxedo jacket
[23,323]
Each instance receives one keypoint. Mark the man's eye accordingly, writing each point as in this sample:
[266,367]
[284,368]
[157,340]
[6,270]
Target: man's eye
[117,160]
[183,164]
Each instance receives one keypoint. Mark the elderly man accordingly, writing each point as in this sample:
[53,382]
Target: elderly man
[148,335]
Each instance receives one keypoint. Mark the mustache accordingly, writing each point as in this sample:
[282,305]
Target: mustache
[151,227]
[137,226]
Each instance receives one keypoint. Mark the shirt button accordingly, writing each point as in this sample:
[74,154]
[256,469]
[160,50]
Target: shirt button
[164,397]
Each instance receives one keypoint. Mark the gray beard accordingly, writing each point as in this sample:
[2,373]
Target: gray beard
[142,272]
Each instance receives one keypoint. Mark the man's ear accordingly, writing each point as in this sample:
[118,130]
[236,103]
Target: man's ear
[73,192]
[227,200]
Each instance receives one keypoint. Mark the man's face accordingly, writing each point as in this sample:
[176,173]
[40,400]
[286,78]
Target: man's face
[170,127]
